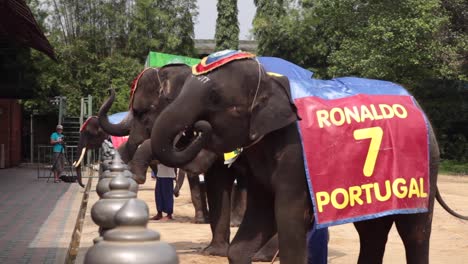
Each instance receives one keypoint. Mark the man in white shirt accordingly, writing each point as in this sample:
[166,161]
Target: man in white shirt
[163,192]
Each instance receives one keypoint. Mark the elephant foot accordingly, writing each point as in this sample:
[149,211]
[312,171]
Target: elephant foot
[201,218]
[262,257]
[216,250]
[139,180]
[268,251]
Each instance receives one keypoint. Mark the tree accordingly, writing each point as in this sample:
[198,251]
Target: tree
[227,25]
[267,26]
[419,44]
[162,25]
[100,44]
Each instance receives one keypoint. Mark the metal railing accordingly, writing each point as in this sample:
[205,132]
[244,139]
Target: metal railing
[44,159]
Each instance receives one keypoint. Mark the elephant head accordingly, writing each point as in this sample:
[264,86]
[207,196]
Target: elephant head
[232,106]
[91,137]
[153,90]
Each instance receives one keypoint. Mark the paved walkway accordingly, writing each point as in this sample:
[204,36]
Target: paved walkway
[37,218]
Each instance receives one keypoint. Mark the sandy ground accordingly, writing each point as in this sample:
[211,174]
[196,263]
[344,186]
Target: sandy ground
[449,243]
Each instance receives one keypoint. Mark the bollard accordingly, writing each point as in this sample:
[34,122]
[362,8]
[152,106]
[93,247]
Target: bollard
[103,211]
[130,241]
[115,168]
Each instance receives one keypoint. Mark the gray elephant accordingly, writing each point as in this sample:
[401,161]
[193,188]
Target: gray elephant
[153,91]
[240,105]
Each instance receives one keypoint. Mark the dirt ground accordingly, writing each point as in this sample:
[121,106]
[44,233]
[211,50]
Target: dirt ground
[449,239]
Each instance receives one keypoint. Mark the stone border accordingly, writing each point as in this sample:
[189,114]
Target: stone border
[74,246]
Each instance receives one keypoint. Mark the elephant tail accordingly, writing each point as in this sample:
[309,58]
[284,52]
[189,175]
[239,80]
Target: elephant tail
[447,208]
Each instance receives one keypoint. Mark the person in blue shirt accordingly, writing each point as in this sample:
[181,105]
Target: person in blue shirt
[56,139]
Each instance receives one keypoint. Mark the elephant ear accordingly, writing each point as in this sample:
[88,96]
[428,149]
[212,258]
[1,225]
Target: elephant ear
[273,108]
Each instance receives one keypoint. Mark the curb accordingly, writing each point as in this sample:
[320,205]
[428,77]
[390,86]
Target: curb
[76,237]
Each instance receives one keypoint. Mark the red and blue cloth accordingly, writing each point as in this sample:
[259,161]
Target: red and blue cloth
[218,59]
[334,157]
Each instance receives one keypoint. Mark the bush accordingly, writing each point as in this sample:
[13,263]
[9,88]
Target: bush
[453,167]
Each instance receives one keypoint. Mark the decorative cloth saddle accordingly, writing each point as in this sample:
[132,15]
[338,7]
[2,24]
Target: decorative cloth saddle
[219,59]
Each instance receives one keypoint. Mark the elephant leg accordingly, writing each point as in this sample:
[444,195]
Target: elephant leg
[373,236]
[268,251]
[415,231]
[238,204]
[257,227]
[219,182]
[204,201]
[293,223]
[197,199]
[123,151]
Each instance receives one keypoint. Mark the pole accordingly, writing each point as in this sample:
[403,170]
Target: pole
[90,105]
[81,112]
[90,113]
[60,111]
[31,148]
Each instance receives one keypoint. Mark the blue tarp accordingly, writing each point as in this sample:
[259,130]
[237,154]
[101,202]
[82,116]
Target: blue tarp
[117,117]
[303,85]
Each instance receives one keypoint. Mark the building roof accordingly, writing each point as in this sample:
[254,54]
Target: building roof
[207,46]
[17,24]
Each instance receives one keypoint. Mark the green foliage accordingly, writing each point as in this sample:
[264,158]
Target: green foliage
[227,26]
[270,29]
[421,44]
[445,103]
[164,26]
[453,167]
[100,44]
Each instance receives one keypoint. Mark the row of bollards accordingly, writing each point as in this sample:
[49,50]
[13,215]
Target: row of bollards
[122,219]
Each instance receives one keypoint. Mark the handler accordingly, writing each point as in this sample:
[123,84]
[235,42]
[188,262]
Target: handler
[163,192]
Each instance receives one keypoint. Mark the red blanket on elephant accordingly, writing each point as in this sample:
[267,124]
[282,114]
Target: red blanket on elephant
[367,156]
[365,144]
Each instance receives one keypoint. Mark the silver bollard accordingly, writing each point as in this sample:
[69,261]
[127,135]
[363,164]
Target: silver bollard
[116,168]
[103,211]
[130,241]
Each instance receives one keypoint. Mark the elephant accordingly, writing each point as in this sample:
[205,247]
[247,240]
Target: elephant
[91,137]
[153,91]
[239,105]
[197,192]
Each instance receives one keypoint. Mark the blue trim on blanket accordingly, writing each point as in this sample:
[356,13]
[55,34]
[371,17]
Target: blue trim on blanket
[303,85]
[373,216]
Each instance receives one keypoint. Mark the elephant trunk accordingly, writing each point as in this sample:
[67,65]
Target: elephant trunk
[121,129]
[140,161]
[81,149]
[179,121]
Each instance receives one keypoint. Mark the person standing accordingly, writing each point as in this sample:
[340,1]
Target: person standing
[163,192]
[56,139]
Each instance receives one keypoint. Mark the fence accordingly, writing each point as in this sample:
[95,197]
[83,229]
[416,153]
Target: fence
[44,159]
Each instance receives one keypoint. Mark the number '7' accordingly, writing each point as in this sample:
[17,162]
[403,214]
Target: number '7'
[375,134]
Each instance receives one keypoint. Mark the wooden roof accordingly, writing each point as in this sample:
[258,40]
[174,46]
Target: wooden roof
[17,24]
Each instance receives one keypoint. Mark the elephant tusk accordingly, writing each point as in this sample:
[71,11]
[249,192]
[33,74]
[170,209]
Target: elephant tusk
[77,163]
